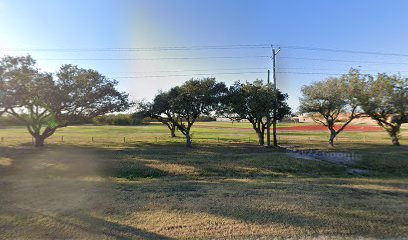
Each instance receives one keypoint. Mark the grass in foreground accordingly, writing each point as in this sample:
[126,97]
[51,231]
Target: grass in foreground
[163,191]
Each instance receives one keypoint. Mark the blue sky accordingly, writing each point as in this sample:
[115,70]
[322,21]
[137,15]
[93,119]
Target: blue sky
[352,25]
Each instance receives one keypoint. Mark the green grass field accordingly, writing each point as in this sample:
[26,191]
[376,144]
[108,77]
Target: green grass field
[149,186]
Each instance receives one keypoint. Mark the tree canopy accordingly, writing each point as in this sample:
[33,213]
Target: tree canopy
[162,109]
[2,95]
[194,98]
[329,100]
[385,99]
[254,101]
[45,102]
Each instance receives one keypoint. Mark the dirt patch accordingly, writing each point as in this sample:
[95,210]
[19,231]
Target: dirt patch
[338,158]
[341,158]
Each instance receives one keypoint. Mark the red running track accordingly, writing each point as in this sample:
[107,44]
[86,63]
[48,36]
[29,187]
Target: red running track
[320,128]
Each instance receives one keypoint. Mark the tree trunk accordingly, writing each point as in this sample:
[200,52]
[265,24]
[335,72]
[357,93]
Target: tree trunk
[39,141]
[275,140]
[173,131]
[261,138]
[332,137]
[188,139]
[394,137]
[268,130]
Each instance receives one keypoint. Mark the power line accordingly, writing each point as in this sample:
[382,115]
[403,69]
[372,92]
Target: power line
[345,51]
[222,73]
[149,59]
[342,60]
[217,57]
[230,73]
[198,70]
[325,73]
[310,73]
[253,68]
[203,47]
[327,69]
[173,48]
[186,75]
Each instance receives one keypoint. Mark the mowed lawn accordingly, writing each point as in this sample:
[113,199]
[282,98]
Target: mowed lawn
[138,183]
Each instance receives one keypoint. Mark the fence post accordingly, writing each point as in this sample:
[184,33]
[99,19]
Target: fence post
[124,139]
[62,138]
[92,140]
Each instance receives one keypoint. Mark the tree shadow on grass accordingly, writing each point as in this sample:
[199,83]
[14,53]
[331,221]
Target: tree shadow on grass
[253,214]
[85,226]
[380,160]
[15,155]
[71,162]
[212,160]
[214,196]
[326,208]
[235,160]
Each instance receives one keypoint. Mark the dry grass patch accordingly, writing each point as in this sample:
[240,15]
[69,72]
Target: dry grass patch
[212,191]
[5,161]
[172,168]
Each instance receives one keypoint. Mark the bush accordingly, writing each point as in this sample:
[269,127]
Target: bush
[119,119]
[137,118]
[206,119]
[7,120]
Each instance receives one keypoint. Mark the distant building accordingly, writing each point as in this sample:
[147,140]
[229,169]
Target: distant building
[223,119]
[306,118]
[302,118]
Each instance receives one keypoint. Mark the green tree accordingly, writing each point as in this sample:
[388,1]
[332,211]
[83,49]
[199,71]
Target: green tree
[385,99]
[137,118]
[2,95]
[254,101]
[194,98]
[3,107]
[46,102]
[329,100]
[161,109]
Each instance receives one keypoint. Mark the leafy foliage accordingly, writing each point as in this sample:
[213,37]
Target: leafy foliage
[119,119]
[332,98]
[45,102]
[385,99]
[254,102]
[183,105]
[162,110]
[194,98]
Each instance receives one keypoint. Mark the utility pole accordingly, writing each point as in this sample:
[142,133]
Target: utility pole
[274,53]
[268,120]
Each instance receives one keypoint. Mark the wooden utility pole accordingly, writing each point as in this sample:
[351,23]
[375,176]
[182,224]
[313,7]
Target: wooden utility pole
[274,53]
[268,120]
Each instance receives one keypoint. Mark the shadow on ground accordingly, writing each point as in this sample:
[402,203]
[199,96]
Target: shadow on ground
[155,191]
